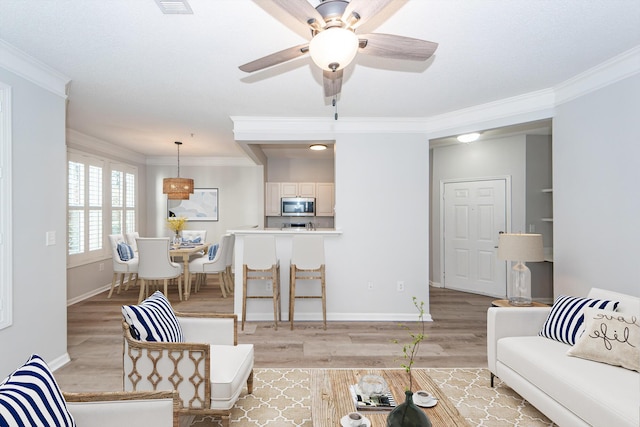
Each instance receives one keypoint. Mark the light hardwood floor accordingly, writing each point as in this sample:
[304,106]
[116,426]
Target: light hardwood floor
[455,338]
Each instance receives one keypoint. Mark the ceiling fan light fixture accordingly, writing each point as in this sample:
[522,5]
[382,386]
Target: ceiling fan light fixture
[468,137]
[334,48]
[317,147]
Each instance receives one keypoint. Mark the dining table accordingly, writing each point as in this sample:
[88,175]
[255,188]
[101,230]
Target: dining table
[185,250]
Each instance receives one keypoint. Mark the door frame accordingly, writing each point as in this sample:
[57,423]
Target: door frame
[507,203]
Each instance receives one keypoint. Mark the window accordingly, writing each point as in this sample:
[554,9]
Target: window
[6,272]
[92,183]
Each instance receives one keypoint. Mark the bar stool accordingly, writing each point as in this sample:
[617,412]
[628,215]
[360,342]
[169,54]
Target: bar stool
[307,263]
[259,257]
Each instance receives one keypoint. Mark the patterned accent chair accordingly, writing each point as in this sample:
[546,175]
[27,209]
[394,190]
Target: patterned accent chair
[209,370]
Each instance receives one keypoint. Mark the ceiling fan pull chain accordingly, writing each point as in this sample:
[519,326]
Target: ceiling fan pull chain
[335,107]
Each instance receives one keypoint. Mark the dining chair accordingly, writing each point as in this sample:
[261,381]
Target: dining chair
[131,240]
[261,263]
[307,263]
[155,264]
[191,235]
[202,266]
[124,263]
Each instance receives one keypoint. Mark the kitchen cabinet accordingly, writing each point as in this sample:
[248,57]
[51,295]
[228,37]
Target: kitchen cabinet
[297,189]
[324,198]
[272,199]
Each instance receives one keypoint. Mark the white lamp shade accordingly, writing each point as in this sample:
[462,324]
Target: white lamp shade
[334,48]
[520,247]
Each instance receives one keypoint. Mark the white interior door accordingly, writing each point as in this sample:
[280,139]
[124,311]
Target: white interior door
[474,215]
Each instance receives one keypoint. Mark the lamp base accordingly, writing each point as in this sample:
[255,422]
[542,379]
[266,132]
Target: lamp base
[520,294]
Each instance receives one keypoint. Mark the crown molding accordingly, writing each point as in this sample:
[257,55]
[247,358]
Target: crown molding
[92,144]
[198,161]
[33,70]
[617,68]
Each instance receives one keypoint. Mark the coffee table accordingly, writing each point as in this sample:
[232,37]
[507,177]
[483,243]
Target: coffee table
[331,399]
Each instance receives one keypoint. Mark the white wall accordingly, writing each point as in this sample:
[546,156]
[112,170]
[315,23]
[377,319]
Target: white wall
[382,207]
[300,170]
[596,191]
[38,205]
[240,197]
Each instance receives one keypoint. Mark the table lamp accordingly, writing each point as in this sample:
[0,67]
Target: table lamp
[520,248]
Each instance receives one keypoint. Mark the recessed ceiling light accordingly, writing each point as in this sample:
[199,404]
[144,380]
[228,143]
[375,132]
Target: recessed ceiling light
[317,147]
[468,137]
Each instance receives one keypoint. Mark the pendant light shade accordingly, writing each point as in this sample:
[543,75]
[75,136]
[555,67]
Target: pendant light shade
[177,188]
[334,48]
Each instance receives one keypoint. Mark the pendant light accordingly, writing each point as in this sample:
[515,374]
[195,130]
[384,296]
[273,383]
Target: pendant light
[177,188]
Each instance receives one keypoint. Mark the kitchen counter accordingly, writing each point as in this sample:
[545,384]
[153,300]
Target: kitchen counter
[293,230]
[262,309]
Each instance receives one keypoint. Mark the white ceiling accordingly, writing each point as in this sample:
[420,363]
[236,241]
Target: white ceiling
[142,79]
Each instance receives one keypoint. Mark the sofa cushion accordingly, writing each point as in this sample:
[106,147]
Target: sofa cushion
[609,337]
[565,319]
[153,320]
[230,368]
[600,394]
[30,396]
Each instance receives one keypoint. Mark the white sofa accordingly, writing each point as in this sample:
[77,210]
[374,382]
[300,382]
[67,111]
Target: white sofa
[571,391]
[117,409]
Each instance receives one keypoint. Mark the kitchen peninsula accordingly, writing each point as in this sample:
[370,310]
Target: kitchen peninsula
[262,310]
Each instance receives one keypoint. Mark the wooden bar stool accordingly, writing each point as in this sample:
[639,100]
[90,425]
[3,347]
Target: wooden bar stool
[260,262]
[307,263]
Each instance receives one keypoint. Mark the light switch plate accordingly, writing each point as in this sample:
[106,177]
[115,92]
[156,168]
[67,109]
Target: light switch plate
[50,238]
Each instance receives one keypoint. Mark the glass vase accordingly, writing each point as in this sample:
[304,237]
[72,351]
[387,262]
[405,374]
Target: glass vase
[177,239]
[407,414]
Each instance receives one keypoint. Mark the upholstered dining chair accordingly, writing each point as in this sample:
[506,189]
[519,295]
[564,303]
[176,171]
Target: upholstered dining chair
[155,264]
[131,240]
[198,356]
[125,262]
[202,266]
[307,263]
[261,263]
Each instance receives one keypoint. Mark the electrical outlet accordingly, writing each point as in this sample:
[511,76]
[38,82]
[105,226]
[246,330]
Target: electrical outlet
[267,286]
[400,286]
[369,286]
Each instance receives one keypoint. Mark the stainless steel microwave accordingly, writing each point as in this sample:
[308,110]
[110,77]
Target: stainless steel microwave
[298,206]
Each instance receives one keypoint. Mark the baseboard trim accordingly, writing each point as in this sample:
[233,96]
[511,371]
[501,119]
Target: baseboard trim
[88,294]
[59,362]
[435,284]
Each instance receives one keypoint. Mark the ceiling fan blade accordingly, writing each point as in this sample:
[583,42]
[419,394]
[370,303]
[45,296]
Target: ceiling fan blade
[301,10]
[366,9]
[396,47]
[332,82]
[275,58]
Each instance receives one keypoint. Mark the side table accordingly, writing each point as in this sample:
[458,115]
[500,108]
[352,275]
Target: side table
[505,303]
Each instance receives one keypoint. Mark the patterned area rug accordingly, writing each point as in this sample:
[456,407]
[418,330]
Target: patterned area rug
[281,397]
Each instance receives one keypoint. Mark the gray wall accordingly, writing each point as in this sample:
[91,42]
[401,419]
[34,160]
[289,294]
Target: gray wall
[484,158]
[300,170]
[38,206]
[596,199]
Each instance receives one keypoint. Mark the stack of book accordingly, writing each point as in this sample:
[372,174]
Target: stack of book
[364,403]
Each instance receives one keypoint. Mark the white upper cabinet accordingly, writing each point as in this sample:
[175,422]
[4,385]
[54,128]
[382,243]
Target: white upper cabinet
[272,199]
[298,189]
[324,198]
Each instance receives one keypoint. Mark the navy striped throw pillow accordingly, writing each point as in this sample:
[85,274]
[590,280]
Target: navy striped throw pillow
[125,252]
[31,397]
[565,321]
[153,320]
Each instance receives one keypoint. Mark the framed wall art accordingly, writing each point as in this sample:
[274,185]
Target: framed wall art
[201,206]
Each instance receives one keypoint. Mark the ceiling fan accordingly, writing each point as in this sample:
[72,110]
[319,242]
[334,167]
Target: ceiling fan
[334,42]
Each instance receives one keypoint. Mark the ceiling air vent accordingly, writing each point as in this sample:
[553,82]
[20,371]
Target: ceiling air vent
[174,6]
